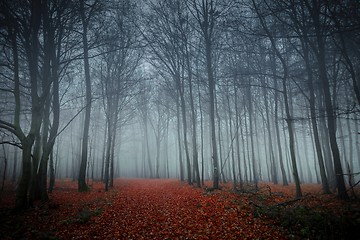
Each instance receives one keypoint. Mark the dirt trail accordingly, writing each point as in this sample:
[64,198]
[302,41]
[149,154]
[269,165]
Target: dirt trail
[139,209]
[163,209]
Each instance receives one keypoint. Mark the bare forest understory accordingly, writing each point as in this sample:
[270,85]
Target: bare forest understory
[167,209]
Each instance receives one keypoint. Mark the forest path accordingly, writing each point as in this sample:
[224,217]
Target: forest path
[164,209]
[138,209]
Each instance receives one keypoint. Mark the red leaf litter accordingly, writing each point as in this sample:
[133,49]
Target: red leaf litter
[139,209]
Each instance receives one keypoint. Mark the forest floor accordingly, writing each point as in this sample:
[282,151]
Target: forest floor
[167,209]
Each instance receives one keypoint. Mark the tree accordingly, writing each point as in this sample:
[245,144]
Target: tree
[285,78]
[159,124]
[143,108]
[25,32]
[87,12]
[319,51]
[206,14]
[166,41]
[54,29]
[302,30]
[118,83]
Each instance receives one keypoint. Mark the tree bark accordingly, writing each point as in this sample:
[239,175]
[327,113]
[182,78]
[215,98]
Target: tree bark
[32,51]
[82,186]
[178,122]
[324,180]
[206,21]
[277,130]
[330,113]
[289,119]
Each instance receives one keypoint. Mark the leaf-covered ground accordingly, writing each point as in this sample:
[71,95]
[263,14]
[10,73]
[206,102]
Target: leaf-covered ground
[165,209]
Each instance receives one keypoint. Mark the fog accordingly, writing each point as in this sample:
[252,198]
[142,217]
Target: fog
[241,91]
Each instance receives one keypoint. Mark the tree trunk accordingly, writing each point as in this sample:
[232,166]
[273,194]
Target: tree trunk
[212,117]
[108,150]
[23,186]
[201,136]
[5,168]
[237,127]
[246,146]
[220,156]
[178,121]
[253,160]
[14,173]
[147,146]
[184,121]
[52,170]
[103,157]
[313,117]
[289,119]
[82,186]
[32,51]
[277,131]
[206,21]
[330,114]
[233,169]
[273,169]
[112,157]
[194,123]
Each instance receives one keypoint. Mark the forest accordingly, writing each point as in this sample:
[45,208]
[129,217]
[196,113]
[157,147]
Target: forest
[221,96]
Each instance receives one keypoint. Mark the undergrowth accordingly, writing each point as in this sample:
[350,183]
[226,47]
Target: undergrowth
[305,220]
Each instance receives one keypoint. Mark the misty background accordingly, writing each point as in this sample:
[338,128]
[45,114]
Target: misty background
[232,90]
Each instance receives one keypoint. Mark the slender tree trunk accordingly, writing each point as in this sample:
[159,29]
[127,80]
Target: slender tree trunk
[14,173]
[103,159]
[357,140]
[267,157]
[317,168]
[342,194]
[184,121]
[238,126]
[143,158]
[179,139]
[313,117]
[186,147]
[5,168]
[52,172]
[220,156]
[306,152]
[274,176]
[278,138]
[232,145]
[251,133]
[246,151]
[112,158]
[289,119]
[206,20]
[157,158]
[109,144]
[325,142]
[147,144]
[201,136]
[319,49]
[194,127]
[167,171]
[85,139]
[53,167]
